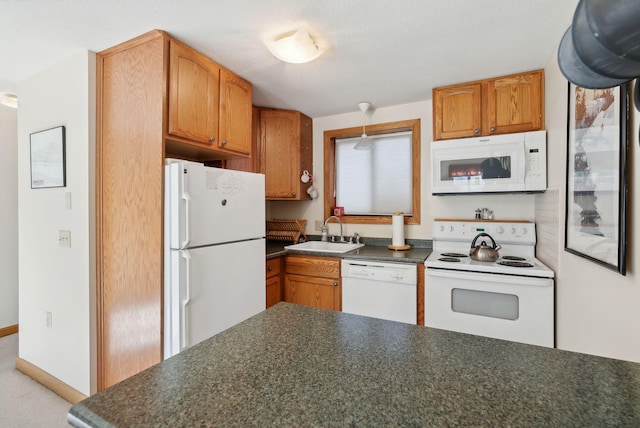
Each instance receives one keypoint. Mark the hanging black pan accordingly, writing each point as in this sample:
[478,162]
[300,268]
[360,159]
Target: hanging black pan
[636,97]
[577,72]
[602,47]
[606,36]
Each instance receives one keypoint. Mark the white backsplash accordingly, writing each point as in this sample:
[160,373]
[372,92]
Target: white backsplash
[547,226]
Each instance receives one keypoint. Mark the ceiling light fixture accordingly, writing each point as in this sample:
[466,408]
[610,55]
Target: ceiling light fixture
[295,47]
[9,100]
[364,143]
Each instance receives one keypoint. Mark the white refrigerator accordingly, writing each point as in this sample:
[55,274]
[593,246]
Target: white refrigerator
[214,251]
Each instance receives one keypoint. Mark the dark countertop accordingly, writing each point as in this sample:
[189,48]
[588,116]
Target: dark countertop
[299,366]
[374,249]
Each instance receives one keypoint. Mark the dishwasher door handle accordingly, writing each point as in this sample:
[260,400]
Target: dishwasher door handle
[358,274]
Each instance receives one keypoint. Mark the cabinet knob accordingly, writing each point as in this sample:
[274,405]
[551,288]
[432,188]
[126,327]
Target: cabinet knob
[293,193]
[476,131]
[335,283]
[493,128]
[270,268]
[224,142]
[212,139]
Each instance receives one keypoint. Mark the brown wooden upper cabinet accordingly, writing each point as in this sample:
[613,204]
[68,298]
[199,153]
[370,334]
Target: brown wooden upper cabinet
[209,107]
[501,105]
[285,152]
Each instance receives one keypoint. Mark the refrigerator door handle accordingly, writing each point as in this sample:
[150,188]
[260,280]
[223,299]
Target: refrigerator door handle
[187,216]
[187,297]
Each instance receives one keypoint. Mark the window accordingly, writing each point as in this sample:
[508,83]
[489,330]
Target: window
[376,181]
[373,184]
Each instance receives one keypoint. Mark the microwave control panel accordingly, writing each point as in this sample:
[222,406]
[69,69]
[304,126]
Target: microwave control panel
[535,146]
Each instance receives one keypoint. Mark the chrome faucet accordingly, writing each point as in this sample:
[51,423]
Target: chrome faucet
[325,228]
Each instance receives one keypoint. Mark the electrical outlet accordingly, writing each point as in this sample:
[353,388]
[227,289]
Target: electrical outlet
[318,225]
[49,319]
[64,238]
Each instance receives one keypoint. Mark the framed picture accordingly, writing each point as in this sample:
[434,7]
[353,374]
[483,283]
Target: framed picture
[48,158]
[595,220]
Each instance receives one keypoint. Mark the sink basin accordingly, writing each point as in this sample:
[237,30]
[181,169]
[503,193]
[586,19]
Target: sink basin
[324,247]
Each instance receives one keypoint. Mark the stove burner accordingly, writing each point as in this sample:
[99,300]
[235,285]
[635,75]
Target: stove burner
[515,264]
[515,258]
[448,259]
[453,255]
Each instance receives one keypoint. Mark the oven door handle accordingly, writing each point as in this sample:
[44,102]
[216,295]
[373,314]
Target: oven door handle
[489,277]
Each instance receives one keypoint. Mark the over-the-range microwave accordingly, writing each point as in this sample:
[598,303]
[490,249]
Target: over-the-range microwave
[496,164]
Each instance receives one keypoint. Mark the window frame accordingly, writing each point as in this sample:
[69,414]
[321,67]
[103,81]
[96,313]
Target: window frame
[330,137]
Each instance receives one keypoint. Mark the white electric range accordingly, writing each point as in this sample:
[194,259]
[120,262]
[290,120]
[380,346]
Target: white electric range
[511,298]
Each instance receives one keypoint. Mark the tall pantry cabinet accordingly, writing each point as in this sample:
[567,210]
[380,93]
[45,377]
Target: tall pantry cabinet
[144,113]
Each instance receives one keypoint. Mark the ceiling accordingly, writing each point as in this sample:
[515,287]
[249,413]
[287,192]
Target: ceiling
[383,51]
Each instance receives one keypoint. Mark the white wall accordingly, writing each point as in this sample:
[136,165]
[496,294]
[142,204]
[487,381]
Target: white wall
[52,278]
[598,310]
[503,206]
[8,217]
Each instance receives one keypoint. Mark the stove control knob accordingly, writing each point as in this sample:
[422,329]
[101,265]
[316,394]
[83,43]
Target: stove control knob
[499,229]
[441,228]
[524,230]
[513,230]
[451,228]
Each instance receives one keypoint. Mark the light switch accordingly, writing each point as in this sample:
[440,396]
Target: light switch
[64,238]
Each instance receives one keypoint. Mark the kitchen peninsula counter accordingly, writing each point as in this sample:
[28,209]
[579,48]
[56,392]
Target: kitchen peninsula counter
[299,366]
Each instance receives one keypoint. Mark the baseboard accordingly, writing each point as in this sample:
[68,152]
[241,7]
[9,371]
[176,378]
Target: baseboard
[7,331]
[70,394]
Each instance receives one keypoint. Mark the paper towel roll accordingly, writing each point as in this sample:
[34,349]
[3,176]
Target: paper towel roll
[397,226]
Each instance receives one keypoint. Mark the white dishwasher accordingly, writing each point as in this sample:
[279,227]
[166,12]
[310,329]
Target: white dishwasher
[380,289]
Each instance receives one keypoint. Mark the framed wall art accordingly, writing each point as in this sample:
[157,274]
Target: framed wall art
[48,158]
[595,220]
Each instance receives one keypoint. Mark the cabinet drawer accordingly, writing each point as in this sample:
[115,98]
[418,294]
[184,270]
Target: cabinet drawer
[325,267]
[273,267]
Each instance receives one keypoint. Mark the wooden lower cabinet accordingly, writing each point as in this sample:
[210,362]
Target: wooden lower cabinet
[274,281]
[313,281]
[323,293]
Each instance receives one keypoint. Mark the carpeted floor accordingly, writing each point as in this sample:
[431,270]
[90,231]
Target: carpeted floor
[24,403]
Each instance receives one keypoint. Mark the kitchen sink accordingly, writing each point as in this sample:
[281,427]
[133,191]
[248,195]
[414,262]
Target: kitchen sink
[324,247]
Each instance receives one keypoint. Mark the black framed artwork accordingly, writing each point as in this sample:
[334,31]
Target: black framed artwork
[48,158]
[595,217]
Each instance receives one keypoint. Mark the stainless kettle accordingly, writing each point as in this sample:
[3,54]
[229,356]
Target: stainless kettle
[484,252]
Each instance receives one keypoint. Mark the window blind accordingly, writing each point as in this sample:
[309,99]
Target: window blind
[377,181]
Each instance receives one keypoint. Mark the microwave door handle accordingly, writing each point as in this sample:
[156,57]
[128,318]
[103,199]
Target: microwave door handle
[523,170]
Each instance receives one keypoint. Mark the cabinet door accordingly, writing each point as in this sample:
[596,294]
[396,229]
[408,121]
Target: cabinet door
[280,153]
[274,290]
[274,281]
[515,103]
[323,293]
[235,113]
[193,95]
[457,111]
[251,163]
